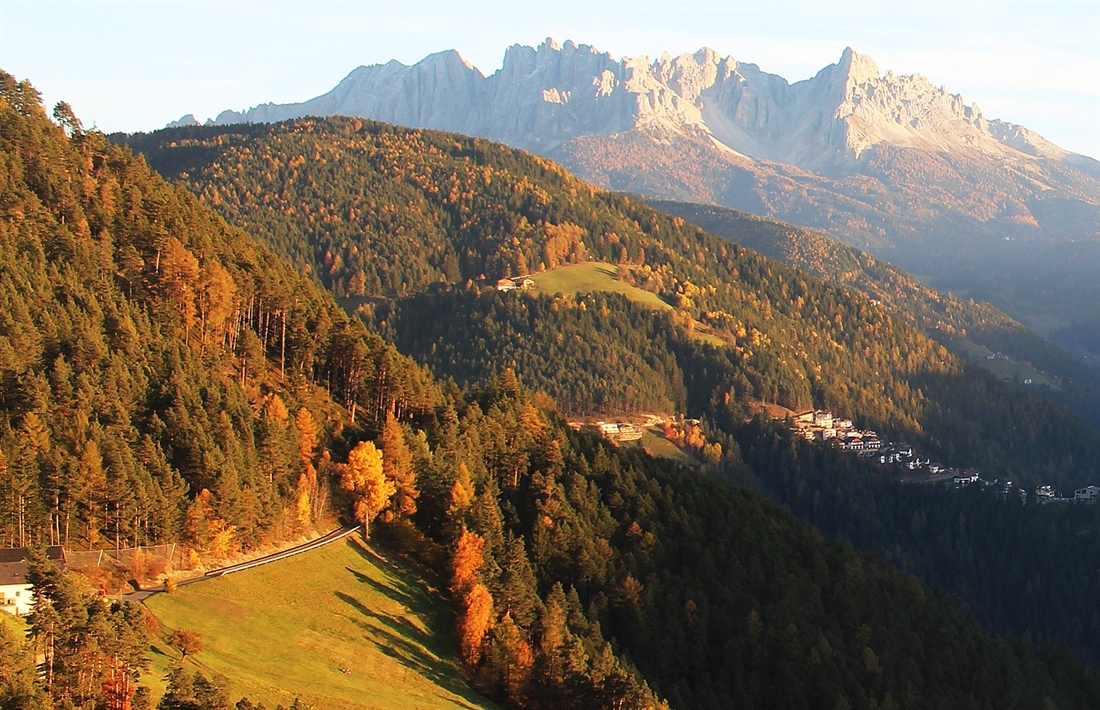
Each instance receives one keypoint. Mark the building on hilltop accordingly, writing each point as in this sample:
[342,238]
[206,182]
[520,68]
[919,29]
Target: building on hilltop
[16,596]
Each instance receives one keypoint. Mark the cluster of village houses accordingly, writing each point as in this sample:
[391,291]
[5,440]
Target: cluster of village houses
[822,427]
[620,431]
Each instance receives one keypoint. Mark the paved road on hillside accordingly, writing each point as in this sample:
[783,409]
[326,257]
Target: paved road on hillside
[240,566]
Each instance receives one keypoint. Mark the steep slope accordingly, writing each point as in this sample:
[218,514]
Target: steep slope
[555,543]
[292,628]
[379,212]
[971,330]
[1013,565]
[888,163]
[161,370]
[719,598]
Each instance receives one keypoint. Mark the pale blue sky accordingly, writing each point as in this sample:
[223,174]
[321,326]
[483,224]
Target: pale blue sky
[137,65]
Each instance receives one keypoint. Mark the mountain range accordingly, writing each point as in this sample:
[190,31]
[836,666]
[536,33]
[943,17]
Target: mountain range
[891,164]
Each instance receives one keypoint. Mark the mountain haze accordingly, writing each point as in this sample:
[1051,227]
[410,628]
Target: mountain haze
[892,164]
[972,330]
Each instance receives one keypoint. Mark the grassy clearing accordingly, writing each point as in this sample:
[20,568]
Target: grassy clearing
[1010,369]
[708,338]
[592,277]
[598,276]
[660,447]
[290,628]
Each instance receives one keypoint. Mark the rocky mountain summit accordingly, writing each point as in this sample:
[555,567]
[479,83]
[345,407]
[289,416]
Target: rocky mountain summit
[891,164]
[542,98]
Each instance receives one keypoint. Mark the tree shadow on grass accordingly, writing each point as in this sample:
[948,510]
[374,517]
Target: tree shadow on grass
[405,587]
[391,634]
[415,599]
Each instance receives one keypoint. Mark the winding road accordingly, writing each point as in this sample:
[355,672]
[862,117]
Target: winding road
[333,536]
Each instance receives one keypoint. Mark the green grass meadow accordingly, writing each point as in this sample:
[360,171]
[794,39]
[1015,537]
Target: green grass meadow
[290,629]
[598,276]
[592,277]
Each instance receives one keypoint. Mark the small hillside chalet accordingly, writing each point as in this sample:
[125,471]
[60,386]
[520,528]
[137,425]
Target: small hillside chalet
[15,591]
[524,283]
[1088,494]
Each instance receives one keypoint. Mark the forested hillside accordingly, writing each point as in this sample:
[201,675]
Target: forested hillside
[718,597]
[583,575]
[149,352]
[957,323]
[379,211]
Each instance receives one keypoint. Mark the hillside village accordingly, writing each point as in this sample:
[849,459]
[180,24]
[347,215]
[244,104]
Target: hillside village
[822,427]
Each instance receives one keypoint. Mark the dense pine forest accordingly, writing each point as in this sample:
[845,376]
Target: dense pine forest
[164,376]
[168,378]
[1018,568]
[957,323]
[382,212]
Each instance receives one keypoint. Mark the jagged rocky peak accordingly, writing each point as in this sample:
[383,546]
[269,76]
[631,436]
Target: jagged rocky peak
[188,120]
[688,74]
[547,95]
[857,68]
[448,60]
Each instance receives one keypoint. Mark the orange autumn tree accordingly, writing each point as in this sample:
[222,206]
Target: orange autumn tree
[476,618]
[362,476]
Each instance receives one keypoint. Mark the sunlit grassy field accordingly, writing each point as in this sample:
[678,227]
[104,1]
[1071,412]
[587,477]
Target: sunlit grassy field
[292,628]
[596,276]
[592,277]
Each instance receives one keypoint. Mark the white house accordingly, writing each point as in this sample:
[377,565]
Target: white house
[1088,494]
[15,591]
[967,477]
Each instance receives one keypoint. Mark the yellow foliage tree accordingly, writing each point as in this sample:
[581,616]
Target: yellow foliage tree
[308,440]
[363,477]
[275,410]
[307,434]
[462,495]
[179,273]
[516,658]
[397,465]
[303,508]
[215,298]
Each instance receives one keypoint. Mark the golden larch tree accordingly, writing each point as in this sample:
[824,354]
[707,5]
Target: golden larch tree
[363,477]
[397,465]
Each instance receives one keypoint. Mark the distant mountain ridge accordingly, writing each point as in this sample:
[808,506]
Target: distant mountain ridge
[544,97]
[891,164]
